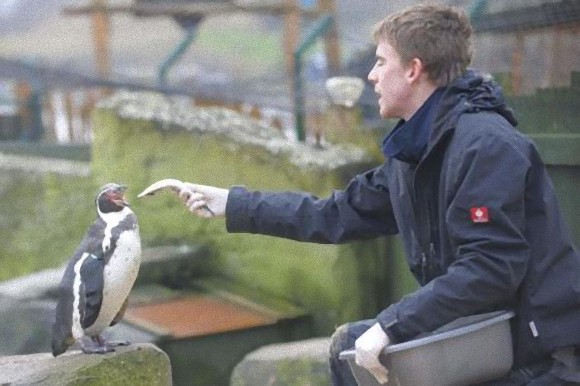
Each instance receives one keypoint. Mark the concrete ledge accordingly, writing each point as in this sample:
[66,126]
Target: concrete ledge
[138,364]
[69,151]
[43,165]
[303,362]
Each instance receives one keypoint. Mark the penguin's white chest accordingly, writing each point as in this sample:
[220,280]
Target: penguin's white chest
[119,276]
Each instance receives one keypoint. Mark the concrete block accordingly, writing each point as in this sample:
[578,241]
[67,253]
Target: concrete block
[303,363]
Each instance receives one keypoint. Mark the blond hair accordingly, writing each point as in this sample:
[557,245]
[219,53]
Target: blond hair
[439,36]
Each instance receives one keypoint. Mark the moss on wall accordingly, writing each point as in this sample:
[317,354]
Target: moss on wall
[43,218]
[329,281]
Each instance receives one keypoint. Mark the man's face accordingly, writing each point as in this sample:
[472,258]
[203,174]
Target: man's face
[390,78]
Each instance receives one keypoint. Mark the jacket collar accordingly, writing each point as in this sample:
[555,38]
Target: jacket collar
[471,92]
[408,140]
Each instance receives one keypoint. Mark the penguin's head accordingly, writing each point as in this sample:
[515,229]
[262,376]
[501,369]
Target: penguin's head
[111,198]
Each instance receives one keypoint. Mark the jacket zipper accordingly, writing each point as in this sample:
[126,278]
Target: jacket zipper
[424,267]
[425,236]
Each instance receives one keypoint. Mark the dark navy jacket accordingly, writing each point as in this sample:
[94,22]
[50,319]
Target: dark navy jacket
[478,216]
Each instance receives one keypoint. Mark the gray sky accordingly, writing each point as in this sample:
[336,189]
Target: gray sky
[21,15]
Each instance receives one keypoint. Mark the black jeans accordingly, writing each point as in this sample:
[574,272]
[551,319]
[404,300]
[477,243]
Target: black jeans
[344,337]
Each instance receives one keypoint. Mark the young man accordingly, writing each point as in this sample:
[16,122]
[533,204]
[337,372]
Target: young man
[468,194]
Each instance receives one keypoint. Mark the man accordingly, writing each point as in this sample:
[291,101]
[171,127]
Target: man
[468,194]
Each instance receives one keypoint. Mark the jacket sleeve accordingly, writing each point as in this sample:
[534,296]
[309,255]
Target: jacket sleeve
[490,257]
[361,211]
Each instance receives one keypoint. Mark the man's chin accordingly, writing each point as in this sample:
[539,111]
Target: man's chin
[388,113]
[385,114]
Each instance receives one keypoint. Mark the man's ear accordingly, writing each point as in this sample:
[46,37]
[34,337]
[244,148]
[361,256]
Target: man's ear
[415,70]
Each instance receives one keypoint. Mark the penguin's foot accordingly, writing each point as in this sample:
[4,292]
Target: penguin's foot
[117,343]
[96,349]
[100,346]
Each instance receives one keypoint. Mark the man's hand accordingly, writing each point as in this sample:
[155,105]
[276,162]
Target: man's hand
[204,201]
[367,349]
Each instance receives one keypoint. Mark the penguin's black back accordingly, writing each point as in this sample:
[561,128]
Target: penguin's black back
[90,290]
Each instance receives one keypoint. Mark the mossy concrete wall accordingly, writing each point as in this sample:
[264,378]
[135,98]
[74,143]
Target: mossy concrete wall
[46,205]
[141,138]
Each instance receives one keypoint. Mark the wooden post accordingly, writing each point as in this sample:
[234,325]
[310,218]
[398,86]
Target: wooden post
[291,38]
[23,91]
[332,44]
[517,62]
[49,118]
[558,66]
[68,108]
[101,39]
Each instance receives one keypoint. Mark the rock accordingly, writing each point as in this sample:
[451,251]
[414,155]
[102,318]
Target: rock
[139,364]
[298,363]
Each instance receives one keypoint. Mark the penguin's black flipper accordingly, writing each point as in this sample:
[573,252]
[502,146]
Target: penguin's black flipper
[62,328]
[90,296]
[92,279]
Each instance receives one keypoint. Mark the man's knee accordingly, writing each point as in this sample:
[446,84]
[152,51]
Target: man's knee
[345,336]
[339,341]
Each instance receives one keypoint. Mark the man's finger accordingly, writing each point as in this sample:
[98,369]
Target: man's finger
[380,373]
[184,194]
[195,197]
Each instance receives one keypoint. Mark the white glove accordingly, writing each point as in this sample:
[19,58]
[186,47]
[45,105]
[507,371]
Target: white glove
[367,349]
[199,198]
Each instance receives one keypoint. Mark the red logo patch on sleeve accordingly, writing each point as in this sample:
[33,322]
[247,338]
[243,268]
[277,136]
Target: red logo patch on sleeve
[480,214]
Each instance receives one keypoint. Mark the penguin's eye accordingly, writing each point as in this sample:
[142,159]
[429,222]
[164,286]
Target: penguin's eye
[112,195]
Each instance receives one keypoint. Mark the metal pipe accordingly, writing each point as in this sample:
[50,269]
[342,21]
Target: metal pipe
[477,9]
[321,28]
[175,55]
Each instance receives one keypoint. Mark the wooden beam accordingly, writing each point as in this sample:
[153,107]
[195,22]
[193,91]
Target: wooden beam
[291,38]
[332,44]
[192,9]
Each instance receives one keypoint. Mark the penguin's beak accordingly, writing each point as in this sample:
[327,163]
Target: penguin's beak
[119,196]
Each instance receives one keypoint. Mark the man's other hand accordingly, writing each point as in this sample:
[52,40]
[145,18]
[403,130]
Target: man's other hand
[367,349]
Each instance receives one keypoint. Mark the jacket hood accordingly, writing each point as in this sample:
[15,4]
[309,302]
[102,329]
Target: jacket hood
[473,92]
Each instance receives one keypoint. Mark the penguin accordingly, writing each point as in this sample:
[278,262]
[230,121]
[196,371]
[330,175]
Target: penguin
[94,289]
